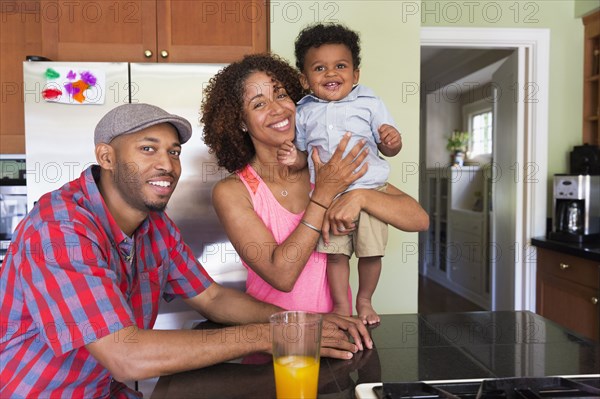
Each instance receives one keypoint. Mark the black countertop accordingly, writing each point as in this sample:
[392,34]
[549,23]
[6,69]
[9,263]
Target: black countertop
[589,250]
[415,347]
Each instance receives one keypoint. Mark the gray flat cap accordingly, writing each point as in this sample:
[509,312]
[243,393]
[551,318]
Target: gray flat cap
[131,118]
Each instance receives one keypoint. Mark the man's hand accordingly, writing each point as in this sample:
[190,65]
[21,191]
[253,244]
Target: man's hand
[335,341]
[391,140]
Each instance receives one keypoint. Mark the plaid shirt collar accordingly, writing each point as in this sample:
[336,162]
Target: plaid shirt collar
[88,181]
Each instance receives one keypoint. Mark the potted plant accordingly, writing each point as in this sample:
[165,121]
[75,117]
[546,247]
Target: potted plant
[457,145]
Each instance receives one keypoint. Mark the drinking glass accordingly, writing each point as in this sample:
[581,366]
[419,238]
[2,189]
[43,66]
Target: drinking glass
[296,338]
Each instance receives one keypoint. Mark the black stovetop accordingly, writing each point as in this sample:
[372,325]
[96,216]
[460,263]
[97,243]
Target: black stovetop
[501,388]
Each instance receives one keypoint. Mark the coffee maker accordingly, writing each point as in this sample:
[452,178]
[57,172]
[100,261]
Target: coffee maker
[576,208]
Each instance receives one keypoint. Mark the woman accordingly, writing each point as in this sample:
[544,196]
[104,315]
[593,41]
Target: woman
[272,215]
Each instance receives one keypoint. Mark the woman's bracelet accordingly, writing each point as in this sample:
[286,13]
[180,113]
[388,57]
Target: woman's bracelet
[318,203]
[310,226]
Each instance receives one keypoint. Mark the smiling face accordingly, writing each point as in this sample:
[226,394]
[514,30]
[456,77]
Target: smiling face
[269,112]
[329,71]
[147,167]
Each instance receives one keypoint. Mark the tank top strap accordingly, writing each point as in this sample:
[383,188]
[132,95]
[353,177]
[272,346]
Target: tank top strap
[250,178]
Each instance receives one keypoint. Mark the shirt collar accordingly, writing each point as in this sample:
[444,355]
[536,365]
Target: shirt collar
[96,204]
[357,91]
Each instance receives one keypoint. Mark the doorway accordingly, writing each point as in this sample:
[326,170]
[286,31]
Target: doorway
[459,90]
[511,275]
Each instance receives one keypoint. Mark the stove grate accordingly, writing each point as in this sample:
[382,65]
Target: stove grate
[501,388]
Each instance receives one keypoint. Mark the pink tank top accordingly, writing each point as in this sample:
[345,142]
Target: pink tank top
[311,292]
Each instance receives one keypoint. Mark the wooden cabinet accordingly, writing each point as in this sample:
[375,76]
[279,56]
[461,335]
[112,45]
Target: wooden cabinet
[591,79]
[568,291]
[154,30]
[119,31]
[212,31]
[99,30]
[20,35]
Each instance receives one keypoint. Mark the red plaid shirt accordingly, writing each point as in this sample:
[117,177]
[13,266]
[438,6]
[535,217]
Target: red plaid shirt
[68,280]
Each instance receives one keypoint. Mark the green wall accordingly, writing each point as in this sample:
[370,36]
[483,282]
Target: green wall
[583,7]
[390,66]
[391,48]
[566,58]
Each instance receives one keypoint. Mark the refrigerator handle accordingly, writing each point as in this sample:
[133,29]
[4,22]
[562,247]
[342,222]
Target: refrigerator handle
[36,58]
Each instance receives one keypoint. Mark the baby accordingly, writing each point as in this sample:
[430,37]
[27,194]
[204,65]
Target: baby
[328,56]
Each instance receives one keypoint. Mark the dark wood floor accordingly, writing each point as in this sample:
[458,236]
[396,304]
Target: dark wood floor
[433,298]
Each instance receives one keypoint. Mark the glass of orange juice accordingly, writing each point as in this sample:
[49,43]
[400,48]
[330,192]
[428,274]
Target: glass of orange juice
[296,338]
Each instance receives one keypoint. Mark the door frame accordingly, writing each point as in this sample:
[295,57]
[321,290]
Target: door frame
[532,150]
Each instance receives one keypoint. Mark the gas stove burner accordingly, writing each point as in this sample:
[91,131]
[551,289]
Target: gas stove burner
[501,388]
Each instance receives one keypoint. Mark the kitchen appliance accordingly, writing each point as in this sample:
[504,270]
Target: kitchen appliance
[576,208]
[585,160]
[13,197]
[586,386]
[59,134]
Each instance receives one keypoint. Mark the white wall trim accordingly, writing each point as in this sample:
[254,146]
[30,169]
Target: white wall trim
[533,150]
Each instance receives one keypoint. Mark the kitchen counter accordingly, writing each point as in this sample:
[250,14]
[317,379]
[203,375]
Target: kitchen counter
[590,250]
[414,347]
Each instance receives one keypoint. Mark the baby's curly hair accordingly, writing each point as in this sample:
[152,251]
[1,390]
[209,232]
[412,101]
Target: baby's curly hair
[222,106]
[319,34]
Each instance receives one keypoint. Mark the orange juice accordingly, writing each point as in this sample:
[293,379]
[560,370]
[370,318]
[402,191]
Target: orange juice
[296,377]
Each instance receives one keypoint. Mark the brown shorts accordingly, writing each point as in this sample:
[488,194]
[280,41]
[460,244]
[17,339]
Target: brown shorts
[369,239]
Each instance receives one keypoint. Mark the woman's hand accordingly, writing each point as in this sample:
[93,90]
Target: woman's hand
[334,337]
[336,175]
[342,216]
[393,206]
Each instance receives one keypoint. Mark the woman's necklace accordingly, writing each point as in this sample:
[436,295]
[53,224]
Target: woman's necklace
[284,191]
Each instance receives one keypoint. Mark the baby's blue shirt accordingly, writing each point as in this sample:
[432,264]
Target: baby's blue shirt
[322,124]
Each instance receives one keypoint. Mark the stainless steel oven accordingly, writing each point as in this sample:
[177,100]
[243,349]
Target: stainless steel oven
[13,197]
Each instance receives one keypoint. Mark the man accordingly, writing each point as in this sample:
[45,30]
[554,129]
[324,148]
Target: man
[82,280]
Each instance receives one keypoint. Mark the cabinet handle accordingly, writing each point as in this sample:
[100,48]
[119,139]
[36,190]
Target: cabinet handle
[563,266]
[594,300]
[164,53]
[148,53]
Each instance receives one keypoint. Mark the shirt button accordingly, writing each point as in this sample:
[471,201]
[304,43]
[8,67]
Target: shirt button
[330,127]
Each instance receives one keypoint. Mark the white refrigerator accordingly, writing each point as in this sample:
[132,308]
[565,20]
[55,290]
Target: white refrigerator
[59,132]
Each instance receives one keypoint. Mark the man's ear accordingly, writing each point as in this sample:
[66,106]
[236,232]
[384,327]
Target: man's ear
[105,156]
[304,81]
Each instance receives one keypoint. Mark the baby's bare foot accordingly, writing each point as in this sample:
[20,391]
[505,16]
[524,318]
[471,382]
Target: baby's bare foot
[365,311]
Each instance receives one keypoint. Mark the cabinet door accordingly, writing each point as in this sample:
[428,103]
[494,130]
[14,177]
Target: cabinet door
[210,31]
[20,35]
[99,30]
[465,260]
[569,304]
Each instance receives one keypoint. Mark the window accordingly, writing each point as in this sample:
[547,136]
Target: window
[480,127]
[478,118]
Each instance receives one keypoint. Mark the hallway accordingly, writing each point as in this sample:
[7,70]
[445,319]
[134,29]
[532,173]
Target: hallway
[433,298]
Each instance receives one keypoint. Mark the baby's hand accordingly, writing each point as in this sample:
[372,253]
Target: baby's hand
[287,153]
[391,140]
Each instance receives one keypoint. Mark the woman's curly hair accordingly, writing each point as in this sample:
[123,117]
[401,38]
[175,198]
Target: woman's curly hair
[222,106]
[316,35]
